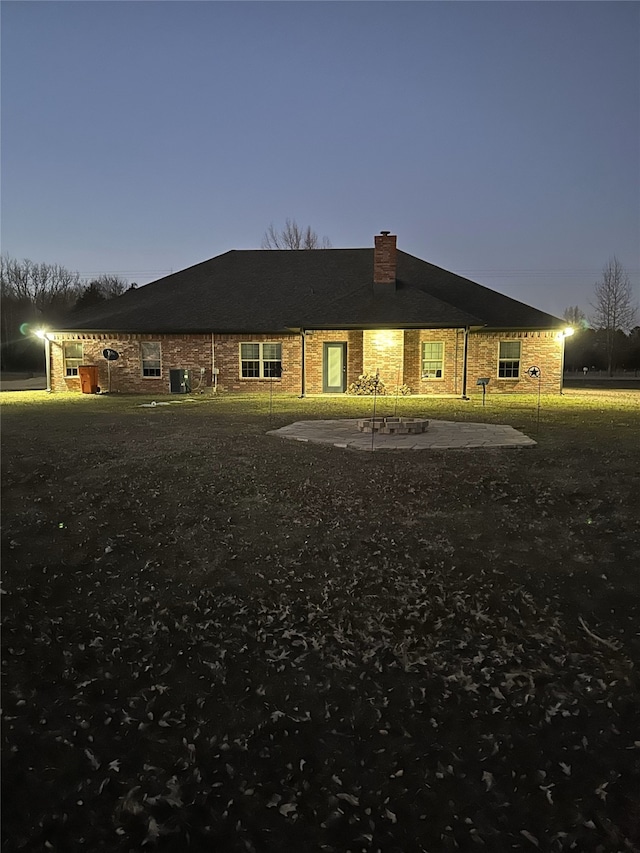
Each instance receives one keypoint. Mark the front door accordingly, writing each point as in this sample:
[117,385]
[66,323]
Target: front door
[334,367]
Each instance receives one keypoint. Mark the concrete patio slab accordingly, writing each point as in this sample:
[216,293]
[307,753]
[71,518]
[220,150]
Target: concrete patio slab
[441,435]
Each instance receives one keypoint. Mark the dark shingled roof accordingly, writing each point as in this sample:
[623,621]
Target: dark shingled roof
[273,290]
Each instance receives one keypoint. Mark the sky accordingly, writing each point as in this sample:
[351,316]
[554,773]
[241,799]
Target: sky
[499,140]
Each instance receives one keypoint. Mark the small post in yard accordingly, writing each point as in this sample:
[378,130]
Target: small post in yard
[110,355]
[395,411]
[271,396]
[535,373]
[484,382]
[375,394]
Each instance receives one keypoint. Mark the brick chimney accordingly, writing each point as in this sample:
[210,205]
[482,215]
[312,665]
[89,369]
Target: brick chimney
[384,259]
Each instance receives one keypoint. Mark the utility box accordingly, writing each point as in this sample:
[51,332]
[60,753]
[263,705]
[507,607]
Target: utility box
[180,381]
[88,378]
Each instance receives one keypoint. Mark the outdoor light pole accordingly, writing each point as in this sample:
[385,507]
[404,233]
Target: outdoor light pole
[44,336]
[565,334]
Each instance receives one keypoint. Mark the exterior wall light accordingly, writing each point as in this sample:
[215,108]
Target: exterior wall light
[383,340]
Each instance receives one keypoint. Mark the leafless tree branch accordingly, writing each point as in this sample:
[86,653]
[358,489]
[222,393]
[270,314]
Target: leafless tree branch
[293,237]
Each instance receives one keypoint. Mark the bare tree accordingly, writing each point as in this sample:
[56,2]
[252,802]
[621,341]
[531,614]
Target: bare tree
[575,316]
[613,306]
[110,285]
[293,237]
[100,289]
[31,295]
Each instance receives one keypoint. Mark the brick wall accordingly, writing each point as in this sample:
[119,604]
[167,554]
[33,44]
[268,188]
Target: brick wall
[227,356]
[541,349]
[383,351]
[314,354]
[194,352]
[453,355]
[395,354]
[384,258]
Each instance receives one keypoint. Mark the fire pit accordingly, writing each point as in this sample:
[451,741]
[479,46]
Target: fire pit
[393,426]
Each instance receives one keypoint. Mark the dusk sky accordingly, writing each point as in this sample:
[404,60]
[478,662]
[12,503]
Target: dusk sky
[498,140]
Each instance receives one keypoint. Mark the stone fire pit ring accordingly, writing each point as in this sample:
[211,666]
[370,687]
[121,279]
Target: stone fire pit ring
[393,426]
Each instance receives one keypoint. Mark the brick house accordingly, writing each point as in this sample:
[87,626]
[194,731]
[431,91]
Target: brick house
[310,322]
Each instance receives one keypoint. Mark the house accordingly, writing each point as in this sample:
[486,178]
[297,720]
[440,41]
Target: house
[310,322]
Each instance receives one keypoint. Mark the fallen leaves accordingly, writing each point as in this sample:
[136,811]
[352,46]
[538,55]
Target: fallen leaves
[357,664]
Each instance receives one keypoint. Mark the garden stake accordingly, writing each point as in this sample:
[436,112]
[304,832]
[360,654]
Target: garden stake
[373,422]
[535,372]
[270,397]
[539,383]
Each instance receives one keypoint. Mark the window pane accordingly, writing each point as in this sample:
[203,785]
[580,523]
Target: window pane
[432,351]
[509,369]
[272,352]
[72,349]
[151,365]
[509,349]
[249,351]
[272,368]
[250,369]
[150,351]
[432,358]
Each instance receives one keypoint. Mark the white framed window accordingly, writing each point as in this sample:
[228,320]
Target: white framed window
[432,360]
[151,354]
[509,360]
[72,351]
[260,361]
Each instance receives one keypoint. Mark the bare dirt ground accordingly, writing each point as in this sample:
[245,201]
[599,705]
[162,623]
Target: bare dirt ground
[218,640]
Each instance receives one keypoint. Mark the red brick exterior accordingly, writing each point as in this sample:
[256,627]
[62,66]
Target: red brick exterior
[453,355]
[384,258]
[538,349]
[396,354]
[314,354]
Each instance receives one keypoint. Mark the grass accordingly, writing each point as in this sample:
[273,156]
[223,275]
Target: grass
[215,639]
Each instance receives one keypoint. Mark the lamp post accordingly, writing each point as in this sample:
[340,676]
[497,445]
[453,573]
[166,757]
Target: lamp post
[566,333]
[44,336]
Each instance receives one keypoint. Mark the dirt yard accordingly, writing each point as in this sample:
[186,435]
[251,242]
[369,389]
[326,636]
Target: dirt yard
[215,639]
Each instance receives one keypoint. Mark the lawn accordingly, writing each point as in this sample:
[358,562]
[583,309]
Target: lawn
[218,640]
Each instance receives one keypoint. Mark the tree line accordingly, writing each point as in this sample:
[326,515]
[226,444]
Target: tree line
[36,295]
[608,339]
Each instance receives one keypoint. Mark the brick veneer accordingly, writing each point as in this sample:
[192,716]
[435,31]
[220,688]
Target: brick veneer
[396,354]
[314,352]
[177,351]
[541,349]
[383,351]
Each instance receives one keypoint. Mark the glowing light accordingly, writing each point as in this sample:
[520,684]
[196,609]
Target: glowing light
[568,331]
[383,340]
[40,333]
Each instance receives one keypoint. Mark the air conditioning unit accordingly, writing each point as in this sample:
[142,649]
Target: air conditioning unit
[180,381]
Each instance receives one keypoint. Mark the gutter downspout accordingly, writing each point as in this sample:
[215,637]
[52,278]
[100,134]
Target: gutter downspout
[465,359]
[302,363]
[214,377]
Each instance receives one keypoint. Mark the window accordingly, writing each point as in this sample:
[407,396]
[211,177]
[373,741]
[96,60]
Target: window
[432,360]
[72,357]
[150,351]
[509,360]
[260,361]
